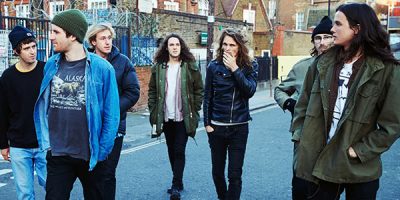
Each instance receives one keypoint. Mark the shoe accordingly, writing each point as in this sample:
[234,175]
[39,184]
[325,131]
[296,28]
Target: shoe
[175,195]
[180,188]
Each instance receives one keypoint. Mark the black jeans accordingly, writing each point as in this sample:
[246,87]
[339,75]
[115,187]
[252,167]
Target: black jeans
[62,172]
[299,186]
[104,172]
[176,137]
[231,139]
[331,191]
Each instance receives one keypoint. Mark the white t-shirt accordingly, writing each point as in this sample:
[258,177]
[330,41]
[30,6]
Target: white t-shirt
[343,89]
[172,77]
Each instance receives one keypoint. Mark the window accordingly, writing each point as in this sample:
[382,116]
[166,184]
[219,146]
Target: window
[97,4]
[23,10]
[249,16]
[56,7]
[155,3]
[300,21]
[170,5]
[272,9]
[203,7]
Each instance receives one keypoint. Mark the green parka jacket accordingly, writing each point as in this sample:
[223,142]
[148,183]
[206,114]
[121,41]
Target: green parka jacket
[191,92]
[370,122]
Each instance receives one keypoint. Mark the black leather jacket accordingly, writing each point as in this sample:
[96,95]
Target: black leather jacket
[227,94]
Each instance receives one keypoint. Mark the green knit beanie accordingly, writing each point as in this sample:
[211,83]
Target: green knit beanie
[72,21]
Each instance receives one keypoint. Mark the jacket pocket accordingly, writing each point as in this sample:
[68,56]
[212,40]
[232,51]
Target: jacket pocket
[315,103]
[369,90]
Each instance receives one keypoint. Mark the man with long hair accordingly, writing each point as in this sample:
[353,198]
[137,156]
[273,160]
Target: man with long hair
[348,114]
[287,92]
[231,80]
[19,89]
[175,96]
[100,38]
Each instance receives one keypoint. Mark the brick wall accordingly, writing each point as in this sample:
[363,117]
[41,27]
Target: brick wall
[189,26]
[297,43]
[143,74]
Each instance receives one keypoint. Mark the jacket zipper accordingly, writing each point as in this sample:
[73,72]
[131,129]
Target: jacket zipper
[190,110]
[233,100]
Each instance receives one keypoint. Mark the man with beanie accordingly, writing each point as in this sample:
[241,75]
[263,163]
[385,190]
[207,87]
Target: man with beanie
[100,38]
[288,91]
[77,113]
[19,89]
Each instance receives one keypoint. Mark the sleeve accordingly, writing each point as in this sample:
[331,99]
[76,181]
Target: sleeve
[111,113]
[247,83]
[388,130]
[286,88]
[208,96]
[130,89]
[152,92]
[4,115]
[302,103]
[198,90]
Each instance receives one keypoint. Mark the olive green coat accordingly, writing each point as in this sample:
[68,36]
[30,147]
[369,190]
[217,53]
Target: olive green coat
[191,91]
[370,122]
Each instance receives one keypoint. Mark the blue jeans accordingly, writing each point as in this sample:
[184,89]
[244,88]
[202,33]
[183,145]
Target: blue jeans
[23,163]
[229,140]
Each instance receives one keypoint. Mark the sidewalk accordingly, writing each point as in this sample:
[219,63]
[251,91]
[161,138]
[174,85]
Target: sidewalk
[138,126]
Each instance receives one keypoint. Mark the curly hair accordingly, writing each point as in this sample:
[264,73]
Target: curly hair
[243,58]
[162,55]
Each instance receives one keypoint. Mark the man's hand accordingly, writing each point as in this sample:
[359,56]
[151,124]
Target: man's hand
[230,62]
[6,154]
[289,105]
[209,129]
[352,153]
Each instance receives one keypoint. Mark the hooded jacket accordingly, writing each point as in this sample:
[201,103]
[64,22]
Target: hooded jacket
[128,84]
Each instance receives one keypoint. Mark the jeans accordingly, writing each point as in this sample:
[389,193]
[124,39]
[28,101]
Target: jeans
[332,191]
[299,186]
[104,172]
[62,172]
[23,163]
[231,139]
[176,137]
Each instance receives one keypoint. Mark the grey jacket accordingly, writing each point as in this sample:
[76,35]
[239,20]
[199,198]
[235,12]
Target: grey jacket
[290,87]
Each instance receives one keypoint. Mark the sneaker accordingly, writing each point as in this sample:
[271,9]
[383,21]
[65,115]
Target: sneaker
[180,188]
[175,195]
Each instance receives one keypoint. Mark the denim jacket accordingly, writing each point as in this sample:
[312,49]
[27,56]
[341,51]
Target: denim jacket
[102,106]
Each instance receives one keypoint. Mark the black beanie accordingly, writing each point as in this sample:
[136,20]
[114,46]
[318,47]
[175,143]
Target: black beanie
[324,27]
[18,34]
[72,21]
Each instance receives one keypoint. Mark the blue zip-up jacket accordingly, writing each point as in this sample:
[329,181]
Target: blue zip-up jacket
[227,94]
[102,106]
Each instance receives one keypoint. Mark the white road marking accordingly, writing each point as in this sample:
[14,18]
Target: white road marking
[144,146]
[5,171]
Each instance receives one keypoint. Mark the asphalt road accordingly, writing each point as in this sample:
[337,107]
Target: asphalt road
[144,171]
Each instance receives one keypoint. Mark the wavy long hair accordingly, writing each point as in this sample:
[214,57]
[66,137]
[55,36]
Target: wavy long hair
[162,54]
[372,40]
[243,59]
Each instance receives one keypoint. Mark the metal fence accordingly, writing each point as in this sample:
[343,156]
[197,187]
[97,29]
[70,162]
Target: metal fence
[264,68]
[41,27]
[139,49]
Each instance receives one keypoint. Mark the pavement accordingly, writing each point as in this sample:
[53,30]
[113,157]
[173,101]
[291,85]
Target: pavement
[138,126]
